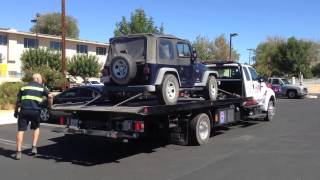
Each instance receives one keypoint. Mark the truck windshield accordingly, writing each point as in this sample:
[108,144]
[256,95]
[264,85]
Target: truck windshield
[285,81]
[134,47]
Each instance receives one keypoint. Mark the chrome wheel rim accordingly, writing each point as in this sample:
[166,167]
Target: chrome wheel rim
[44,114]
[120,69]
[203,129]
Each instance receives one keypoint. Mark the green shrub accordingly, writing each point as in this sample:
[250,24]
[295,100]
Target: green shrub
[8,94]
[84,65]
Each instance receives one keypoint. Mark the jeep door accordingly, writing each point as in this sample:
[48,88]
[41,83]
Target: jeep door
[185,67]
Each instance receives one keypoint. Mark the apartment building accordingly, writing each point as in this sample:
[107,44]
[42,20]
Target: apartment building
[13,43]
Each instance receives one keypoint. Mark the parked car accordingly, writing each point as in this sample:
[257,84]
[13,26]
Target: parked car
[93,83]
[282,87]
[79,94]
[158,64]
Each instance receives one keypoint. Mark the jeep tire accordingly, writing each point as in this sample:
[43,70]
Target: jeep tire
[211,89]
[122,69]
[169,90]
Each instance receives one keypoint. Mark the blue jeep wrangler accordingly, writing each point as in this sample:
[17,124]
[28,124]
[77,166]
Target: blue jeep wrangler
[161,65]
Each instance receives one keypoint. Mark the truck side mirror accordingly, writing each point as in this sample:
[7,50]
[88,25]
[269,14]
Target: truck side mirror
[260,79]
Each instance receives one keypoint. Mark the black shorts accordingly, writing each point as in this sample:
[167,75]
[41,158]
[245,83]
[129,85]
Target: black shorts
[26,116]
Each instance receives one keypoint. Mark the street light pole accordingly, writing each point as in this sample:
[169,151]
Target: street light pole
[230,48]
[36,21]
[63,40]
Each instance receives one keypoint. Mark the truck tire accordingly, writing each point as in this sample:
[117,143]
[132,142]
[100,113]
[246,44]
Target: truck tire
[292,94]
[169,90]
[211,89]
[271,111]
[122,69]
[200,128]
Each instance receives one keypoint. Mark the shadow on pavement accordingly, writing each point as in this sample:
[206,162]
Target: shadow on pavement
[242,124]
[90,151]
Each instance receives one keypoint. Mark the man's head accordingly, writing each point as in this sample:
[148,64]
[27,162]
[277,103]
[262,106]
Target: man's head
[37,78]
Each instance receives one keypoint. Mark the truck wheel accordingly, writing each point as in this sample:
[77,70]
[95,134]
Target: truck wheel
[291,94]
[271,111]
[211,89]
[123,69]
[200,129]
[169,90]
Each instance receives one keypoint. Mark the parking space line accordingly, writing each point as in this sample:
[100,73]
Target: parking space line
[13,143]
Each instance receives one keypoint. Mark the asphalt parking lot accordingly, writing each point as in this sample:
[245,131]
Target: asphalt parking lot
[286,148]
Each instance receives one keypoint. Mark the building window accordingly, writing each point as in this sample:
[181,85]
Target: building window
[82,48]
[101,51]
[55,45]
[12,73]
[3,40]
[11,61]
[0,58]
[30,43]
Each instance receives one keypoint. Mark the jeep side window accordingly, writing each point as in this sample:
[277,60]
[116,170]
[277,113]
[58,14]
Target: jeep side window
[165,49]
[183,50]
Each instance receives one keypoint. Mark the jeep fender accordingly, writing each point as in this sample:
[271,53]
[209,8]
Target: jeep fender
[163,71]
[268,95]
[205,78]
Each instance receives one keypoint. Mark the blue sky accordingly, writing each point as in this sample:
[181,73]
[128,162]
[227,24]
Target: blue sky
[254,20]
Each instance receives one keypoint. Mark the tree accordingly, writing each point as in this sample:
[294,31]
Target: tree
[267,55]
[45,62]
[217,49]
[139,23]
[279,57]
[84,65]
[316,70]
[50,23]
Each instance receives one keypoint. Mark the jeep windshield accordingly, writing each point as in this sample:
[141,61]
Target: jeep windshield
[134,47]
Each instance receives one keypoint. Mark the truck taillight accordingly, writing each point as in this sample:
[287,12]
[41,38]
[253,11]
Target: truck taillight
[146,70]
[61,120]
[139,126]
[250,102]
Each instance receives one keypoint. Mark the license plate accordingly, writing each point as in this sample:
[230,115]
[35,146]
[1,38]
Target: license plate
[73,123]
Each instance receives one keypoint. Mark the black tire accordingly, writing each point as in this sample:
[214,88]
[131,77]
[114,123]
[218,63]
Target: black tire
[169,90]
[122,69]
[44,115]
[199,123]
[211,89]
[292,94]
[271,111]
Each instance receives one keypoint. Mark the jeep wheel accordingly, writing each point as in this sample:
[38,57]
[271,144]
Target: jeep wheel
[169,90]
[292,94]
[123,69]
[211,89]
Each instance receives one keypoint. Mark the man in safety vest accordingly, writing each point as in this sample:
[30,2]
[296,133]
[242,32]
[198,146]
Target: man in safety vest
[29,101]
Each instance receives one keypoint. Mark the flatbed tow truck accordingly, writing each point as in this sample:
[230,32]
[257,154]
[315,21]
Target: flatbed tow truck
[189,122]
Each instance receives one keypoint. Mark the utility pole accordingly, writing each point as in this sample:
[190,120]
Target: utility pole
[63,40]
[36,22]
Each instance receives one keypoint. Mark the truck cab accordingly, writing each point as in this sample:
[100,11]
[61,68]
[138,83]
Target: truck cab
[242,80]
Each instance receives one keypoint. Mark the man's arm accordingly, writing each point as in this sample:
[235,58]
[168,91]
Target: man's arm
[49,96]
[18,101]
